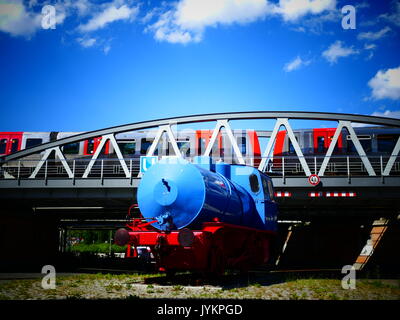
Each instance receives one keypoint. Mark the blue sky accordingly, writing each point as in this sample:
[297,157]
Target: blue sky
[108,63]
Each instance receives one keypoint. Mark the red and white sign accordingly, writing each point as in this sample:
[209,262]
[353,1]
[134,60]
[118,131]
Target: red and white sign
[314,179]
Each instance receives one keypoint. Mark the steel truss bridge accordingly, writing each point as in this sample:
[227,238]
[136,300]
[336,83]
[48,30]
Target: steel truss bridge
[370,185]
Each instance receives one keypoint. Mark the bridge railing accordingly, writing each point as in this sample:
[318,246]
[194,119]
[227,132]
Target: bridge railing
[106,168]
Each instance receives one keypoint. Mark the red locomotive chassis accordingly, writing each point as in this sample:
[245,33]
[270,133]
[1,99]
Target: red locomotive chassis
[212,249]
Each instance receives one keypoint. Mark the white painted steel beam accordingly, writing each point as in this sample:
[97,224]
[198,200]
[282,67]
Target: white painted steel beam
[357,144]
[266,156]
[171,139]
[225,124]
[392,158]
[104,139]
[46,155]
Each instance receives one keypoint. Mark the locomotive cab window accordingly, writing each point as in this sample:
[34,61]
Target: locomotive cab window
[267,188]
[254,184]
[3,145]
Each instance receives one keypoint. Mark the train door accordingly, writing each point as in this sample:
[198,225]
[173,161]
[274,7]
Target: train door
[203,138]
[323,139]
[10,142]
[91,145]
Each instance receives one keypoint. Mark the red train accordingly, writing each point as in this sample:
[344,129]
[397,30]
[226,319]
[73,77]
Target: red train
[376,141]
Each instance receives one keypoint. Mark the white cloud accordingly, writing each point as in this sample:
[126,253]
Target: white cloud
[197,14]
[387,113]
[386,84]
[295,64]
[370,46]
[186,20]
[393,17]
[16,20]
[336,51]
[86,42]
[106,49]
[372,36]
[292,10]
[110,14]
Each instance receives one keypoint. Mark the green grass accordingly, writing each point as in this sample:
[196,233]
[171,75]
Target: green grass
[93,286]
[97,248]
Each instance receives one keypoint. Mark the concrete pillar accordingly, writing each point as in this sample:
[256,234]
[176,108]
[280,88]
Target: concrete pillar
[323,244]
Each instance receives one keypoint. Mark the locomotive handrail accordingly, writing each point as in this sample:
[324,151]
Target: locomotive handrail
[204,118]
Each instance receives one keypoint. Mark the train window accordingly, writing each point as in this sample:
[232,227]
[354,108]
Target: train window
[336,149]
[71,148]
[14,145]
[201,146]
[127,147]
[242,144]
[184,148]
[320,144]
[145,145]
[214,150]
[254,184]
[32,142]
[291,148]
[365,142]
[3,145]
[386,142]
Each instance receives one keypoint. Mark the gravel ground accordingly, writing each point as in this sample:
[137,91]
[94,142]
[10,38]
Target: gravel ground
[126,286]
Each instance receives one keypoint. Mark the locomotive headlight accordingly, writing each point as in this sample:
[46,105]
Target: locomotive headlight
[186,237]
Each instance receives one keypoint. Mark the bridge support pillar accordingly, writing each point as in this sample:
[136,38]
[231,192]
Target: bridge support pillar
[322,244]
[27,241]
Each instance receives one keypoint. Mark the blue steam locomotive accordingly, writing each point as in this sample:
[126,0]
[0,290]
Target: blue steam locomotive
[203,216]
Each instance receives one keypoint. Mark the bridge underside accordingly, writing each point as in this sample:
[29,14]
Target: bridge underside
[111,198]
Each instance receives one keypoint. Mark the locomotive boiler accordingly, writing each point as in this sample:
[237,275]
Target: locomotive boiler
[203,216]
